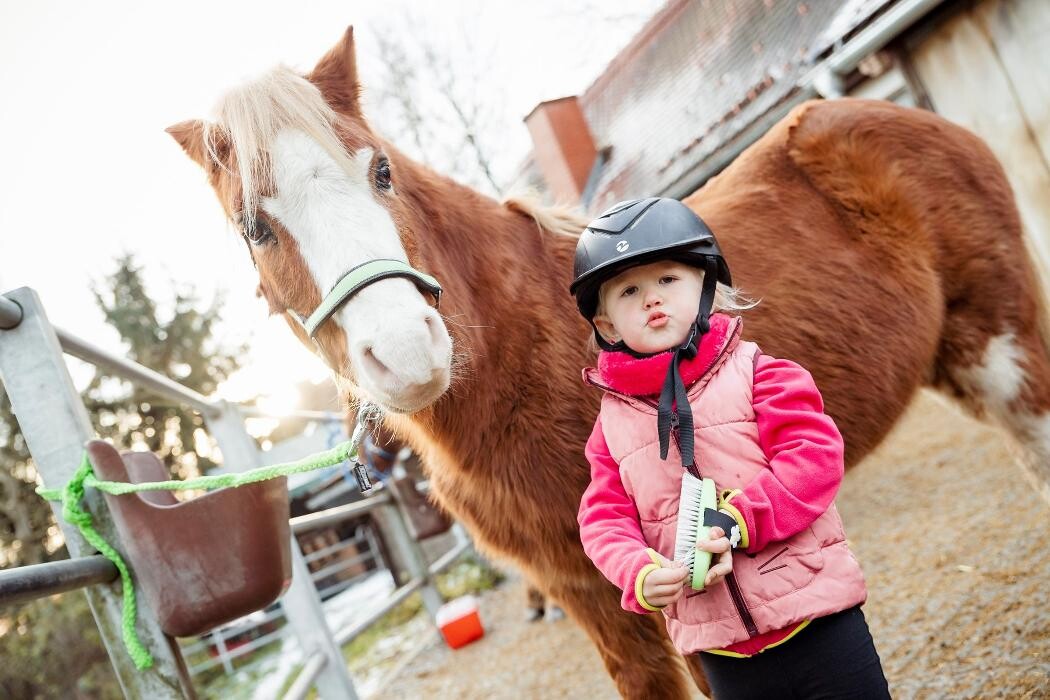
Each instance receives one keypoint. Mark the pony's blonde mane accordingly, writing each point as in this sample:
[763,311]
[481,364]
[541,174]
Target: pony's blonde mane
[251,115]
[561,220]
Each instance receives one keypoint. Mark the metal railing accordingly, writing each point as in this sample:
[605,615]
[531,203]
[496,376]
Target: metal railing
[134,372]
[55,425]
[27,583]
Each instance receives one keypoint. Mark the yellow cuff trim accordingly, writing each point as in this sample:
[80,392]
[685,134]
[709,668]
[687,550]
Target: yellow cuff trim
[640,579]
[728,507]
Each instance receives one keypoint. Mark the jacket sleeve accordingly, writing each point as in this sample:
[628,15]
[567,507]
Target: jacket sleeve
[804,450]
[609,527]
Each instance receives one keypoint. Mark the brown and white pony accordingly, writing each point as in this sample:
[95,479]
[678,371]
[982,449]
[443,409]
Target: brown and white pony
[883,242]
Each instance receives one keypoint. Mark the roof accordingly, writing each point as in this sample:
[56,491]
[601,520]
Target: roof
[696,75]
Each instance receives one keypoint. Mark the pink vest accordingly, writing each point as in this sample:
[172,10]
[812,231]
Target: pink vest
[807,576]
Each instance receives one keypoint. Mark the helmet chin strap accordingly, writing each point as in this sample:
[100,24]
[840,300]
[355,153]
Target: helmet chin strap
[673,409]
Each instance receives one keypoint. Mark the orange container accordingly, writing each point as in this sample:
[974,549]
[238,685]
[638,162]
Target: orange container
[459,621]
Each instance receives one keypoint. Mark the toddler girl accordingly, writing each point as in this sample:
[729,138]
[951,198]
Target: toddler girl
[779,615]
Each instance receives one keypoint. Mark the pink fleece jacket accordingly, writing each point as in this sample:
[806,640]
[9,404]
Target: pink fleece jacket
[801,466]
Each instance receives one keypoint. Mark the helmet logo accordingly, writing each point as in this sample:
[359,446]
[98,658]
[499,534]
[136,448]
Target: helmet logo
[622,246]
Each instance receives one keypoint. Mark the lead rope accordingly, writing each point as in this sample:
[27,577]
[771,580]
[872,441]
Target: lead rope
[74,514]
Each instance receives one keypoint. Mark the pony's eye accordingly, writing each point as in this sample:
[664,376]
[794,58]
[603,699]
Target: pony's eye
[383,174]
[257,231]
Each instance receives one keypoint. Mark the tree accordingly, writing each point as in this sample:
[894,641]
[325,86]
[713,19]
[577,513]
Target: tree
[182,347]
[51,647]
[446,88]
[25,519]
[436,98]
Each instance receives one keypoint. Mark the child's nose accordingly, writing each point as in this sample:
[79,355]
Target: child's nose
[653,298]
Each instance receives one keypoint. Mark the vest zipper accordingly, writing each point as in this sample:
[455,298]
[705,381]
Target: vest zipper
[676,435]
[741,606]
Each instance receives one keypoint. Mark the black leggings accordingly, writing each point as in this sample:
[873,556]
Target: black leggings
[832,657]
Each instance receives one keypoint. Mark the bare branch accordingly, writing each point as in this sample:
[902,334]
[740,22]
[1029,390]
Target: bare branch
[399,88]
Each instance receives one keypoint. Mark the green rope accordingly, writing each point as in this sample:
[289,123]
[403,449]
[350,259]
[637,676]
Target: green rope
[72,494]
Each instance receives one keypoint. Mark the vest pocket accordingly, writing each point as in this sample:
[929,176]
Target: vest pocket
[697,607]
[780,568]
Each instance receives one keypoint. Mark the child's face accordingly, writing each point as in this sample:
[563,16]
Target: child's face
[650,307]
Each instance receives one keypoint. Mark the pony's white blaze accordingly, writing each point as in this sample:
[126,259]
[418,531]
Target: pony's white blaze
[399,346]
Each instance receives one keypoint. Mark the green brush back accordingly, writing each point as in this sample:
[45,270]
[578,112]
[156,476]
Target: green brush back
[702,560]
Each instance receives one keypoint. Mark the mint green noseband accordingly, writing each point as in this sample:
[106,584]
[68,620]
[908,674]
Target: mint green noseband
[360,277]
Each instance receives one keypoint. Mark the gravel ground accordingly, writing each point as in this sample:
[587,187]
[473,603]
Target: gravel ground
[952,541]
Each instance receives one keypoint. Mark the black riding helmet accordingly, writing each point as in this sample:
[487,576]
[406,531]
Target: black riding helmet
[637,232]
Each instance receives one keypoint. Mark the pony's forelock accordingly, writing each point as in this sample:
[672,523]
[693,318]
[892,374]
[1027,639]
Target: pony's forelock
[251,115]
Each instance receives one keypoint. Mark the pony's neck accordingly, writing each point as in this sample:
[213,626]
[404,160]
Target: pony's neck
[506,304]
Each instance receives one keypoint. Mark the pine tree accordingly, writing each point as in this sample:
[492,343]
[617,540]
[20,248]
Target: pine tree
[183,347]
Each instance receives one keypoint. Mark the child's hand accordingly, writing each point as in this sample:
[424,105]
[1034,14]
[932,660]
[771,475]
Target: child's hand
[664,586]
[718,544]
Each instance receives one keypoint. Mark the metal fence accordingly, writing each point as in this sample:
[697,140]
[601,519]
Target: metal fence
[55,425]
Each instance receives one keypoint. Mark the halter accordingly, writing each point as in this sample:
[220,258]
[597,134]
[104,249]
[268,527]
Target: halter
[359,277]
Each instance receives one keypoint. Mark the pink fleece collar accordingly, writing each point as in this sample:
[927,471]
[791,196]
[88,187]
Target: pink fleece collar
[644,377]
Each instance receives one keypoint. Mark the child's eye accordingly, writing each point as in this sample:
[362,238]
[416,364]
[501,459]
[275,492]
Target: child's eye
[628,291]
[667,279]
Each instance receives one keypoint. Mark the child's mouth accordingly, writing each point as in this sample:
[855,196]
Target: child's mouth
[657,320]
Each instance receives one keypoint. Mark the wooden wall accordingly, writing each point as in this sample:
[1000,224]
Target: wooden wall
[988,69]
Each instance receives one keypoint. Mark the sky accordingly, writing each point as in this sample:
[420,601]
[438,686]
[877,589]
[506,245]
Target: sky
[87,171]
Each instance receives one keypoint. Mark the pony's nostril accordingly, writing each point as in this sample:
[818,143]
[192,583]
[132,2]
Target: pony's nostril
[435,329]
[373,365]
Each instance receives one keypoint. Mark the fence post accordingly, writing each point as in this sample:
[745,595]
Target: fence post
[408,551]
[55,425]
[302,605]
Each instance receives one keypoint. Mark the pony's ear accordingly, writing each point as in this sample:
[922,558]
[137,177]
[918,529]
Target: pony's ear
[335,76]
[190,135]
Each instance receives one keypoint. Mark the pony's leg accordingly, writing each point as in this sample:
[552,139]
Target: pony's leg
[999,369]
[635,648]
[692,663]
[535,603]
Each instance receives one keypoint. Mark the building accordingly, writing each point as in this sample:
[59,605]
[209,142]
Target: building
[704,79]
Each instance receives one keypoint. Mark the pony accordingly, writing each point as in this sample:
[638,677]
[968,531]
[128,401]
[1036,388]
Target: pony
[883,242]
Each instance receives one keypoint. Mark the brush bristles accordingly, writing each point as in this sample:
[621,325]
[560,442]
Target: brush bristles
[690,512]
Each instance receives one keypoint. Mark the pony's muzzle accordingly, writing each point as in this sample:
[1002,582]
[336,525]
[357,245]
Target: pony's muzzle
[406,364]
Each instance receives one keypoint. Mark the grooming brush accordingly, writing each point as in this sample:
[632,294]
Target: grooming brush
[697,495]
